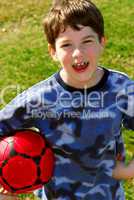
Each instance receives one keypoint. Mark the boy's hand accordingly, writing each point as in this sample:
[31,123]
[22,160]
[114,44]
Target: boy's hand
[121,171]
[4,195]
[130,169]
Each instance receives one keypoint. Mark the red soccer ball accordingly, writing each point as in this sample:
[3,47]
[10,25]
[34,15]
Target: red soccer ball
[26,161]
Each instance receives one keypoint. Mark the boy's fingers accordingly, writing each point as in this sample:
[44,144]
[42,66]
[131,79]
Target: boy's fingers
[2,190]
[7,197]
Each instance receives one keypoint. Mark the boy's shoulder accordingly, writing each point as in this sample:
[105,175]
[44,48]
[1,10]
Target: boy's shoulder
[118,74]
[44,83]
[118,77]
[35,92]
[117,80]
[42,86]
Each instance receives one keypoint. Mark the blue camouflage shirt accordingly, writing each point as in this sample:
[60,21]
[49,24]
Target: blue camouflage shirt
[84,127]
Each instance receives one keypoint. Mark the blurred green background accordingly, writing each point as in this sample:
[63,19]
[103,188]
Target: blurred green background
[24,58]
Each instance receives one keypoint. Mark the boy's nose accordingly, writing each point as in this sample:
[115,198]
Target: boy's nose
[77,53]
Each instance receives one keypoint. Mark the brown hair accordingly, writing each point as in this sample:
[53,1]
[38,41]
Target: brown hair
[72,13]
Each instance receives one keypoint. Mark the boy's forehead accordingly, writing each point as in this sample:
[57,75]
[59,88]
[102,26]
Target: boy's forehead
[70,32]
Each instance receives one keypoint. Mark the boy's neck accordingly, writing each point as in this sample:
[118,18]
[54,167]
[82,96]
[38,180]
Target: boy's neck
[96,77]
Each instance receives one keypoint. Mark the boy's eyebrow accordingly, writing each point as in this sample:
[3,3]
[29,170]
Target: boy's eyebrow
[88,37]
[62,41]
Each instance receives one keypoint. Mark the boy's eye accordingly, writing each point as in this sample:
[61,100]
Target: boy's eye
[65,45]
[88,41]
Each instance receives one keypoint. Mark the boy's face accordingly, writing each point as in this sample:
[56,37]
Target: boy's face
[78,53]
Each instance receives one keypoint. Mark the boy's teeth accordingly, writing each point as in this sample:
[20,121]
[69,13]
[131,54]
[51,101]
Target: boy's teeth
[83,64]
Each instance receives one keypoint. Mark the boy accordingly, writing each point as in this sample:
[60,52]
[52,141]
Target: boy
[80,109]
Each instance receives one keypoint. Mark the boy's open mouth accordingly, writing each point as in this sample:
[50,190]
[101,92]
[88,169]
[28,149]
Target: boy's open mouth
[80,67]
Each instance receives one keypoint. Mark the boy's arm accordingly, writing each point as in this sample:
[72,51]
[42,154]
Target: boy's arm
[121,171]
[13,116]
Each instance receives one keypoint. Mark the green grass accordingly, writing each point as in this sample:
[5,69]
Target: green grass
[24,59]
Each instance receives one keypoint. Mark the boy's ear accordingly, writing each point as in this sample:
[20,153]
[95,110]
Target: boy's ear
[103,41]
[52,52]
